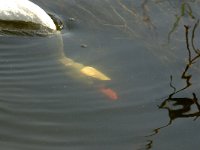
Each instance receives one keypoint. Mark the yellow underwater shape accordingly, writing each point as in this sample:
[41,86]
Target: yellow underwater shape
[92,72]
[85,70]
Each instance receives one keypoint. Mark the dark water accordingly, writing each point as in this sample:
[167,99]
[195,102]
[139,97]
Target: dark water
[140,45]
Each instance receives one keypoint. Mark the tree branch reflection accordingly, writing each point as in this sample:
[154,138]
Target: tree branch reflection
[185,10]
[186,103]
[182,107]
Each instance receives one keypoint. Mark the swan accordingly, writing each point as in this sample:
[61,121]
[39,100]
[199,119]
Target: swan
[13,12]
[26,11]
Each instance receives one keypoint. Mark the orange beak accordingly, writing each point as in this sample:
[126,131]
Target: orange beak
[110,93]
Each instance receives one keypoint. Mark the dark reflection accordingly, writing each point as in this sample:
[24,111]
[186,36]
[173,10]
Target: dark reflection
[181,107]
[184,103]
[185,107]
[149,144]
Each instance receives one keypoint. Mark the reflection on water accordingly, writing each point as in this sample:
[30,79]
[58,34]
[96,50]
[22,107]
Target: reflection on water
[182,107]
[49,101]
[185,10]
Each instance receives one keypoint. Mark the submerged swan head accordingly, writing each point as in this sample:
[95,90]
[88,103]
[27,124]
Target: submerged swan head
[24,11]
[23,15]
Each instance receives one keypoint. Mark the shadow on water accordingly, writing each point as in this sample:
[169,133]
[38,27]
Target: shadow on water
[176,106]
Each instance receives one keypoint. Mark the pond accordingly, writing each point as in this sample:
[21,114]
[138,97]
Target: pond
[148,52]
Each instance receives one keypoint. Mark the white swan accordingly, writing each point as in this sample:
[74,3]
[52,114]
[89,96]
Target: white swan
[26,11]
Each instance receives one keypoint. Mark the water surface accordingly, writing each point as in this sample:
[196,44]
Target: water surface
[140,45]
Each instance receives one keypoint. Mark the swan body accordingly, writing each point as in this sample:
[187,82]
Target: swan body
[25,10]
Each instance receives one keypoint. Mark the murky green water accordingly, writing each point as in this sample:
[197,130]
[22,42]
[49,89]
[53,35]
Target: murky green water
[149,49]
